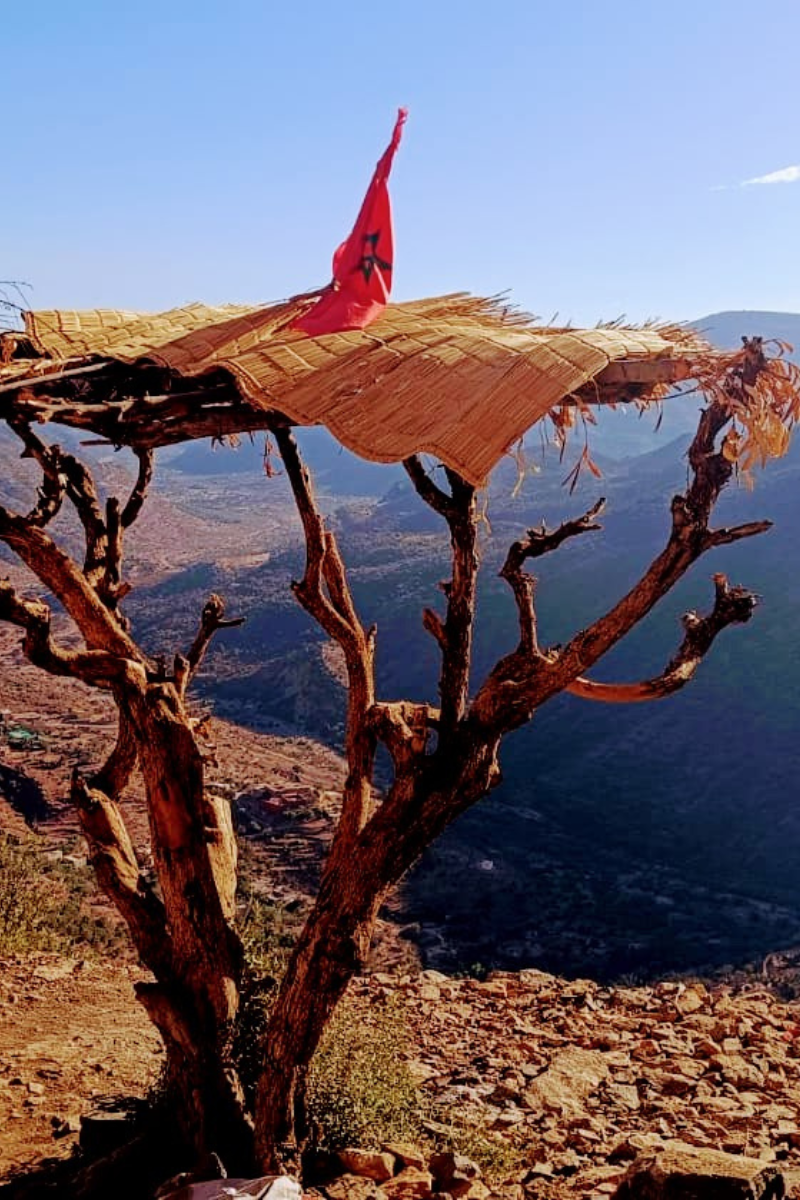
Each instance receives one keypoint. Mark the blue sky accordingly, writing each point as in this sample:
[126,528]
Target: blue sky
[587,157]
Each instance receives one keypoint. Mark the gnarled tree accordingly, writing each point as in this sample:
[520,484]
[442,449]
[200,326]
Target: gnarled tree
[445,757]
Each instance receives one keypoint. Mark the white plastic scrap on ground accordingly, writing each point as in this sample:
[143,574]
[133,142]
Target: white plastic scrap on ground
[269,1187]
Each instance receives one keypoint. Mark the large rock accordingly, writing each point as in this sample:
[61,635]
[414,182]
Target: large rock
[354,1187]
[406,1154]
[573,1075]
[105,1130]
[370,1164]
[687,1173]
[454,1173]
[410,1184]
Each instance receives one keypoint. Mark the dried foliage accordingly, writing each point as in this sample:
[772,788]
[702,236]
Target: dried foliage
[764,408]
[457,376]
[758,386]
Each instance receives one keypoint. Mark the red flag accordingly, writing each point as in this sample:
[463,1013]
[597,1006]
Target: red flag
[362,266]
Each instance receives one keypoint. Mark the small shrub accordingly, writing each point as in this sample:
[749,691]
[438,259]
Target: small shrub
[27,908]
[495,1154]
[268,932]
[360,1090]
[42,905]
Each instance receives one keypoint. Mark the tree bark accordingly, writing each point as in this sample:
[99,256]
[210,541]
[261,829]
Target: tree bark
[185,936]
[195,1002]
[335,940]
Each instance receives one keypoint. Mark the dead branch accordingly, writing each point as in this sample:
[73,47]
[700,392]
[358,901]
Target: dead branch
[114,860]
[324,593]
[64,474]
[539,542]
[114,775]
[454,634]
[732,606]
[108,586]
[432,622]
[312,591]
[139,421]
[139,493]
[49,501]
[75,479]
[57,571]
[52,489]
[513,691]
[434,497]
[403,728]
[98,668]
[212,619]
[724,537]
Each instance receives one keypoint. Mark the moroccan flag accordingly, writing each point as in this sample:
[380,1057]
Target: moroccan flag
[362,266]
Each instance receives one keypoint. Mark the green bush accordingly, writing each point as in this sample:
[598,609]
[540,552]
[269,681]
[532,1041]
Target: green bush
[360,1091]
[268,931]
[42,905]
[27,908]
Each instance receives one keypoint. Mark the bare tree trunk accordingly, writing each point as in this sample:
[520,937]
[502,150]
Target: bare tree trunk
[187,938]
[334,943]
[195,1003]
[185,935]
[331,949]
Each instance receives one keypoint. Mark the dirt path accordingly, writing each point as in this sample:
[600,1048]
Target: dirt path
[71,1033]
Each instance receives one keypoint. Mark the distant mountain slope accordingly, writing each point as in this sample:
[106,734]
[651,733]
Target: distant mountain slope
[647,839]
[625,433]
[726,328]
[335,469]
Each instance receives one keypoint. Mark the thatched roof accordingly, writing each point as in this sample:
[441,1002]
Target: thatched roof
[458,377]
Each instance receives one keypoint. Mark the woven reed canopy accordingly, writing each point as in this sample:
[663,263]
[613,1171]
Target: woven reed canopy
[458,377]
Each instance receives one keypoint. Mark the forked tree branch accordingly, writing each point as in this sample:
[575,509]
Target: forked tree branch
[324,593]
[454,634]
[539,542]
[80,488]
[65,474]
[110,587]
[212,619]
[99,628]
[514,690]
[99,668]
[404,728]
[435,497]
[53,486]
[732,606]
[312,590]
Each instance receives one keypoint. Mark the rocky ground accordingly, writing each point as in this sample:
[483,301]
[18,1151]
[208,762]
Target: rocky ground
[577,1080]
[566,1083]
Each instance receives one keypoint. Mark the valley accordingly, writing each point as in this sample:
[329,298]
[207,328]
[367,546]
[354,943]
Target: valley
[623,842]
